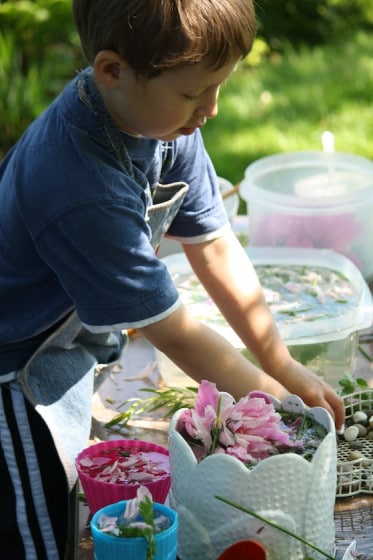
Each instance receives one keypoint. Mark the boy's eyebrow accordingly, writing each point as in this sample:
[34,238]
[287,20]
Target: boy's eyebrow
[225,79]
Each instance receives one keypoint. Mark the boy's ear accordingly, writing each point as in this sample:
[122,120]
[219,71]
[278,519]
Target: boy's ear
[107,67]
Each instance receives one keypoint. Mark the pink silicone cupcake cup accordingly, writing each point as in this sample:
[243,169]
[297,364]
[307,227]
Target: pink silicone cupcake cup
[100,494]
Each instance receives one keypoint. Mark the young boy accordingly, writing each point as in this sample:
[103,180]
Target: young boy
[85,197]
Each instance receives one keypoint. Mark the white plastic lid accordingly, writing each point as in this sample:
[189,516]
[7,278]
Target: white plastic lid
[309,180]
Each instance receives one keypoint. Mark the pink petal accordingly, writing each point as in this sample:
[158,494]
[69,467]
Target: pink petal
[207,395]
[137,476]
[260,395]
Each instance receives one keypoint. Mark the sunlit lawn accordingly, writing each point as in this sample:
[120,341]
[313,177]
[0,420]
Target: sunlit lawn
[285,105]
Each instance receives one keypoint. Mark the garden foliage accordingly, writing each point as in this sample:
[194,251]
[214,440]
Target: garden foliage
[39,47]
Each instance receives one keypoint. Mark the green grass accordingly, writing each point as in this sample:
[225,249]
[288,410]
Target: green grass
[286,103]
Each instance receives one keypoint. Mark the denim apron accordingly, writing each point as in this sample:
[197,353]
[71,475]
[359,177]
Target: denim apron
[59,378]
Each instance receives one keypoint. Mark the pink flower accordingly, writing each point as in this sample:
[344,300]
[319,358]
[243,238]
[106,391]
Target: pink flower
[200,421]
[249,429]
[199,428]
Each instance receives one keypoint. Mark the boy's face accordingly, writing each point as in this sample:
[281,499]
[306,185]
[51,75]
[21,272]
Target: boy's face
[172,104]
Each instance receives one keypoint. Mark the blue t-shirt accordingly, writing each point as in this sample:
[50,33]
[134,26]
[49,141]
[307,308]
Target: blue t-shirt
[73,228]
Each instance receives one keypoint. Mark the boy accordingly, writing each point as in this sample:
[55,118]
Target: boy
[85,197]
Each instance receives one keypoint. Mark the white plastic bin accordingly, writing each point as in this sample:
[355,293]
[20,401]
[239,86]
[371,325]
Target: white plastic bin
[312,200]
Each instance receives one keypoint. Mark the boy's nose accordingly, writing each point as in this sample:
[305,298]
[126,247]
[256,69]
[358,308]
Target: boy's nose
[209,106]
[208,110]
[213,110]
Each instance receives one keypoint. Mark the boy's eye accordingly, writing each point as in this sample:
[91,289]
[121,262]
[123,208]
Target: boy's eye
[190,97]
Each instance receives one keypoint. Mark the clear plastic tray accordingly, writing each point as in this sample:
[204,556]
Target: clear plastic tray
[326,345]
[325,329]
[355,477]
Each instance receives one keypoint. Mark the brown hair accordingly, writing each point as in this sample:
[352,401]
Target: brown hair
[154,35]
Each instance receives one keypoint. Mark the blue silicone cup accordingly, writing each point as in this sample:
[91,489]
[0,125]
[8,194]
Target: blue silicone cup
[109,547]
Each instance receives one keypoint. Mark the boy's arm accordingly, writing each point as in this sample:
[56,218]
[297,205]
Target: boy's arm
[228,275]
[204,354]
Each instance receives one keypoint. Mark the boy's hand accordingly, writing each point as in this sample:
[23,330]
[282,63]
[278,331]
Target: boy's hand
[314,391]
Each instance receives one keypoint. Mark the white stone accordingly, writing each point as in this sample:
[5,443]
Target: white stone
[351,433]
[359,416]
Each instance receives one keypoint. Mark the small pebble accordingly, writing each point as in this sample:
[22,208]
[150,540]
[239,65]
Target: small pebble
[355,455]
[357,444]
[370,434]
[351,433]
[359,416]
[365,462]
[362,430]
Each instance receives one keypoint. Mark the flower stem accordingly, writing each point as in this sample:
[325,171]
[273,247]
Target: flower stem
[215,432]
[276,526]
[303,426]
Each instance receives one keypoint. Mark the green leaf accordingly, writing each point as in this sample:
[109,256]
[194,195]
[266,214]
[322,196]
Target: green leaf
[147,511]
[169,398]
[351,384]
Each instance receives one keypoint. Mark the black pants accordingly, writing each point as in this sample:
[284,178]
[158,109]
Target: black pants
[34,497]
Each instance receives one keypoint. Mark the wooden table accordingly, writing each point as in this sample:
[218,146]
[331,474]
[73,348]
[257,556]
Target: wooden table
[353,516]
[354,521]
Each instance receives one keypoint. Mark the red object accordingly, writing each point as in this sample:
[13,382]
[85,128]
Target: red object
[244,550]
